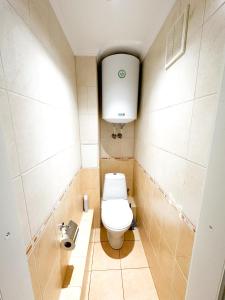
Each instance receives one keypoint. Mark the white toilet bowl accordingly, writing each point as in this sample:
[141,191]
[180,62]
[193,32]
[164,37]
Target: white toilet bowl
[117,217]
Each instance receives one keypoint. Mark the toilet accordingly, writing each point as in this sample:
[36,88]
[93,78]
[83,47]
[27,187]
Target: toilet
[116,214]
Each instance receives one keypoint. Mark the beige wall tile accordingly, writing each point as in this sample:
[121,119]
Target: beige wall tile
[90,155]
[184,248]
[45,121]
[47,253]
[8,133]
[92,99]
[42,194]
[32,52]
[163,286]
[35,129]
[171,228]
[193,187]
[2,79]
[22,209]
[155,236]
[117,148]
[54,285]
[86,73]
[168,135]
[212,6]
[22,8]
[196,15]
[82,96]
[111,148]
[211,55]
[89,179]
[86,70]
[49,239]
[169,128]
[204,112]
[89,128]
[178,285]
[158,207]
[34,277]
[39,20]
[166,258]
[167,239]
[97,218]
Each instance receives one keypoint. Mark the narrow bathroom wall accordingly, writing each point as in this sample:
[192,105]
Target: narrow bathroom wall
[173,139]
[207,265]
[39,120]
[87,90]
[117,154]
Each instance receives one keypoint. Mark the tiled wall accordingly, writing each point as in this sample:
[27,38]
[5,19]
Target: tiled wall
[90,185]
[47,260]
[38,108]
[167,238]
[125,166]
[39,120]
[117,148]
[87,93]
[178,106]
[117,154]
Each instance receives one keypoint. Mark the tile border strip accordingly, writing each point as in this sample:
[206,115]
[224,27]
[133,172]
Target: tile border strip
[37,236]
[171,201]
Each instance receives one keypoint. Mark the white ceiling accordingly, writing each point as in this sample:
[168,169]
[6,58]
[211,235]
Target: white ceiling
[95,27]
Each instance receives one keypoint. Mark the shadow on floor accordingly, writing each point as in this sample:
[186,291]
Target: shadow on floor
[127,247]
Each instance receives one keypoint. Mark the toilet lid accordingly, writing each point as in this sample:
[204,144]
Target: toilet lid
[116,214]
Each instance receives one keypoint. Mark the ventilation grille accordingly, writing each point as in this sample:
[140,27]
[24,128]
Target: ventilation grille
[176,39]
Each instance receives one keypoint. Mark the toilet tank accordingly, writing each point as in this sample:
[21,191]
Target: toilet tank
[114,186]
[120,78]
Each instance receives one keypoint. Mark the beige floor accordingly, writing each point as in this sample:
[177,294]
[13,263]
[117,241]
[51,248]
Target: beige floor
[118,274]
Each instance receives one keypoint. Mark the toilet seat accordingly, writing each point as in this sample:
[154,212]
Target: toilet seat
[116,214]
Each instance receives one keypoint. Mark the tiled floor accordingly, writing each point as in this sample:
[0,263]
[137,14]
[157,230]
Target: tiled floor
[118,274]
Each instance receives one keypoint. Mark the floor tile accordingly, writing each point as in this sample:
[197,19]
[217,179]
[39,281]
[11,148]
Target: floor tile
[132,255]
[106,285]
[132,235]
[138,284]
[104,257]
[100,235]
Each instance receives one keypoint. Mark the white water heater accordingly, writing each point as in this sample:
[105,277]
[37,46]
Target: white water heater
[120,78]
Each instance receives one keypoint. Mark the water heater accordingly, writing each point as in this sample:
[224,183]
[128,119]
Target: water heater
[120,78]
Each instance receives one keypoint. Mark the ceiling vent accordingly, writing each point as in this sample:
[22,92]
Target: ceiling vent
[176,39]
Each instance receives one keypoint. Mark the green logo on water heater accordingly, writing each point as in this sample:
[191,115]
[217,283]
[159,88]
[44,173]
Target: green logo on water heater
[122,73]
